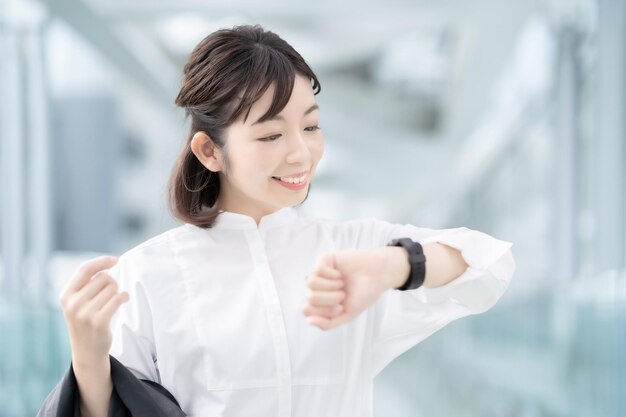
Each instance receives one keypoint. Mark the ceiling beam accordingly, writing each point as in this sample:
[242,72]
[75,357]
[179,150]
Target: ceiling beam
[119,52]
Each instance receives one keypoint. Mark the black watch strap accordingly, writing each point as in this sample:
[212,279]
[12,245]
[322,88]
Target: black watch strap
[417,260]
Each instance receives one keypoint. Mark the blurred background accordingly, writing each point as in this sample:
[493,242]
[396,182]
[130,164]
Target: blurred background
[503,116]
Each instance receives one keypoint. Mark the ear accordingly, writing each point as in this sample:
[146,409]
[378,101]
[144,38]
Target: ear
[205,150]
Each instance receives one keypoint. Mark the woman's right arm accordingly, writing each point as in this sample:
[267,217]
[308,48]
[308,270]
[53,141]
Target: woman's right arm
[94,387]
[89,301]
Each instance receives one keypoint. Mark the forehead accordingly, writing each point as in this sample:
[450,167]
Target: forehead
[301,98]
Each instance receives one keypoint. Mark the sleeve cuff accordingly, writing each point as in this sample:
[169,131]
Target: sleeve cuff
[477,248]
[490,269]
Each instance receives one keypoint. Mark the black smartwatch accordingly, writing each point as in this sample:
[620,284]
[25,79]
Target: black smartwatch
[417,260]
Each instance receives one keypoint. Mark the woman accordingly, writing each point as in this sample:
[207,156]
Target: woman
[248,308]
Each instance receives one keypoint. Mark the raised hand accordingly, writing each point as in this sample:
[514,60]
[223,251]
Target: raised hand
[89,301]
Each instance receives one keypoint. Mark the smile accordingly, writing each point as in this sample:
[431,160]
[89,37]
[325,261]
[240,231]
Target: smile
[293,185]
[292,180]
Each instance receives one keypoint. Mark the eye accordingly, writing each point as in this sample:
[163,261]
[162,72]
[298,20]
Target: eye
[312,128]
[270,138]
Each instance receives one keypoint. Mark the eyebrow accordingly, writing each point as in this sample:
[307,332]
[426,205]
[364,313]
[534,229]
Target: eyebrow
[278,117]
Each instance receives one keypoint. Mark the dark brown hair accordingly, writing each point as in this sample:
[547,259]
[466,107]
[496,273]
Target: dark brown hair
[226,73]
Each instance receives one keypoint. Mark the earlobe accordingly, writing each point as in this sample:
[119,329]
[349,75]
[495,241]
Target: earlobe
[205,150]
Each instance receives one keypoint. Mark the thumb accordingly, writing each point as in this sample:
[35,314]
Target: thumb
[327,266]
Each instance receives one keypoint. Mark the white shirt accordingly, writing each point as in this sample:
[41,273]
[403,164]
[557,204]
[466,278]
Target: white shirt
[215,316]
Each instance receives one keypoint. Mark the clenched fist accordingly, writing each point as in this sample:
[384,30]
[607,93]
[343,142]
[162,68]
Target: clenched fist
[345,283]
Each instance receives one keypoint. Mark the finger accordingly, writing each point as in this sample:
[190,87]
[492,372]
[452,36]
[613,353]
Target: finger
[93,287]
[327,258]
[328,323]
[326,266]
[100,299]
[111,306]
[315,282]
[88,269]
[76,303]
[329,312]
[328,272]
[325,298]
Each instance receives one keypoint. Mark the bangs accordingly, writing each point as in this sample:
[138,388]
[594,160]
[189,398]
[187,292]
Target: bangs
[267,66]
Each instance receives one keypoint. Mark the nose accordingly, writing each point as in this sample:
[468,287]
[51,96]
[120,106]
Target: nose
[298,151]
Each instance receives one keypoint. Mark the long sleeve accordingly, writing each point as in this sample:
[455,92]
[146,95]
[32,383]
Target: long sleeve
[131,326]
[137,388]
[402,319]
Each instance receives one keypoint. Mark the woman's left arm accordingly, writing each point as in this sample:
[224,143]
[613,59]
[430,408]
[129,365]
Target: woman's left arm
[444,264]
[467,271]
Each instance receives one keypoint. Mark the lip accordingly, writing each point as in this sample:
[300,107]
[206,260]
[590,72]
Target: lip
[299,174]
[291,186]
[294,187]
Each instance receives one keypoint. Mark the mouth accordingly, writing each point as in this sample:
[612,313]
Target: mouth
[293,181]
[296,178]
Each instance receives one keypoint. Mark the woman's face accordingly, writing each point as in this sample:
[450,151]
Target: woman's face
[286,147]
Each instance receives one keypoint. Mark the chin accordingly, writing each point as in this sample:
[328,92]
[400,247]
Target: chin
[302,200]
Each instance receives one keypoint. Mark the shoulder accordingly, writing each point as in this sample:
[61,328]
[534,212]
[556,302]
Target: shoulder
[158,243]
[155,264]
[157,253]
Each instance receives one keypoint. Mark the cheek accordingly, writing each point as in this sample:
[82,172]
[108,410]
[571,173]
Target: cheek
[258,165]
[242,164]
[317,149]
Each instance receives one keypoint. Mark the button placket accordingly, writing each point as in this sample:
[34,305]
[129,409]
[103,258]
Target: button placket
[276,322]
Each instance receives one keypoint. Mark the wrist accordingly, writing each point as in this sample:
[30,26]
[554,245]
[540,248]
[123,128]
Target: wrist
[397,266]
[84,363]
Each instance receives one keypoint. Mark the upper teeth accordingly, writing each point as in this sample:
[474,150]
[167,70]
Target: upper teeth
[293,180]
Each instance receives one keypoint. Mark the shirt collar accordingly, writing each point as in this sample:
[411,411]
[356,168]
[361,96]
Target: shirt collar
[232,220]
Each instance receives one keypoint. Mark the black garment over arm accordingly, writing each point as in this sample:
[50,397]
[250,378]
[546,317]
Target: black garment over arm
[131,397]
